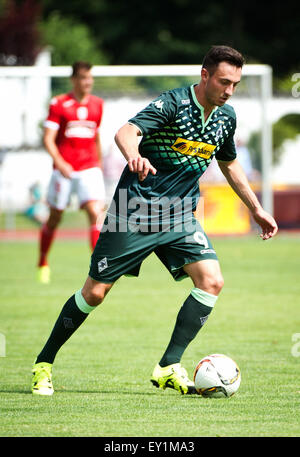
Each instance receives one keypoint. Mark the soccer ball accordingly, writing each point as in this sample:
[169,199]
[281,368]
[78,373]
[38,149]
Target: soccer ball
[217,375]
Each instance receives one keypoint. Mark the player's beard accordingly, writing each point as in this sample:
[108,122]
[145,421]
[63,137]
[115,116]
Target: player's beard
[223,100]
[215,99]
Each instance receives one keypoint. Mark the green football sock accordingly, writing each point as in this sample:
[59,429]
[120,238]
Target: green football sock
[191,317]
[72,315]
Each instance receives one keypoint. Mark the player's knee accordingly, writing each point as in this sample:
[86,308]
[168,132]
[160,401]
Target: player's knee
[94,210]
[54,219]
[213,284]
[218,284]
[94,295]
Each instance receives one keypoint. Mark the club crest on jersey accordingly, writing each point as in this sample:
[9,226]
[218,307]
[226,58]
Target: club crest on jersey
[193,148]
[219,133]
[82,112]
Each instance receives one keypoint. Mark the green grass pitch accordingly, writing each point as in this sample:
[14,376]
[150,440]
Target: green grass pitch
[101,375]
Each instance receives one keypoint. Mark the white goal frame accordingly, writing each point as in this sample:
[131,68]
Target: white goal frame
[264,72]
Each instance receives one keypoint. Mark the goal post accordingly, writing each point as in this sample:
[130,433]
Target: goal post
[263,72]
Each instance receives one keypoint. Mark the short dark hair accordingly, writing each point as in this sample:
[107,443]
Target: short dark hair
[218,54]
[80,65]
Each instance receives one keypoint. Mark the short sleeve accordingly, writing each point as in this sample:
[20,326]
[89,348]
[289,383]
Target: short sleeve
[160,112]
[54,118]
[227,152]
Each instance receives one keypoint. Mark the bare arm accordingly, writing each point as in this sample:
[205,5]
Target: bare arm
[49,141]
[126,139]
[237,179]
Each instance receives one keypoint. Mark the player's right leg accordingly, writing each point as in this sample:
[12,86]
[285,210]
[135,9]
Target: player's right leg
[116,254]
[58,197]
[91,195]
[72,315]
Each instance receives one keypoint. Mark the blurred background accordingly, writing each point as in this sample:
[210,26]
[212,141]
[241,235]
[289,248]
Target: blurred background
[48,34]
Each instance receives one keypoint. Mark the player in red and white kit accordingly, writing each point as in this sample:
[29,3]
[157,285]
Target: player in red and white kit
[71,137]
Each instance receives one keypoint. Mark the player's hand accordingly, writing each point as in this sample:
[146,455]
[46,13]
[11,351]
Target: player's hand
[266,222]
[65,168]
[142,166]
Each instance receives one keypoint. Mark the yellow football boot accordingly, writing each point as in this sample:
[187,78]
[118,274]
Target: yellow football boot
[173,376]
[42,379]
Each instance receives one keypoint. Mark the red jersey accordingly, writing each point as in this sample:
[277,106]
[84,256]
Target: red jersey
[77,125]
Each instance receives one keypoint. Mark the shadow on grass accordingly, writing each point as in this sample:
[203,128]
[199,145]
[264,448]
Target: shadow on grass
[99,392]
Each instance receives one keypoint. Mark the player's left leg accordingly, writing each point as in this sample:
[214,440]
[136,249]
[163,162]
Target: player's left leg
[208,282]
[187,254]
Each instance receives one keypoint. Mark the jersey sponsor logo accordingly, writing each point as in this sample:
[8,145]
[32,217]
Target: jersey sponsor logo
[80,129]
[159,104]
[207,251]
[193,148]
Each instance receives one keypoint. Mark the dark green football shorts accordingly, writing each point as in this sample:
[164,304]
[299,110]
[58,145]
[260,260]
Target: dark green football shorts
[122,253]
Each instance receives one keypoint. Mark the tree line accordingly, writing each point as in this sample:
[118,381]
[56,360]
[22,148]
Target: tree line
[130,32]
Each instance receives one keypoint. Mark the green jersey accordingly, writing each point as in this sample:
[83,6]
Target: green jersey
[180,144]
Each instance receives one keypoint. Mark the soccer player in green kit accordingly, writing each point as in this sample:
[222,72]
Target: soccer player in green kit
[152,211]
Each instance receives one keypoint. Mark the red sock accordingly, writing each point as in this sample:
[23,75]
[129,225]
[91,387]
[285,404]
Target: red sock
[46,238]
[94,235]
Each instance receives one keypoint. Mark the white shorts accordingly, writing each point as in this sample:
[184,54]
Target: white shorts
[87,184]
